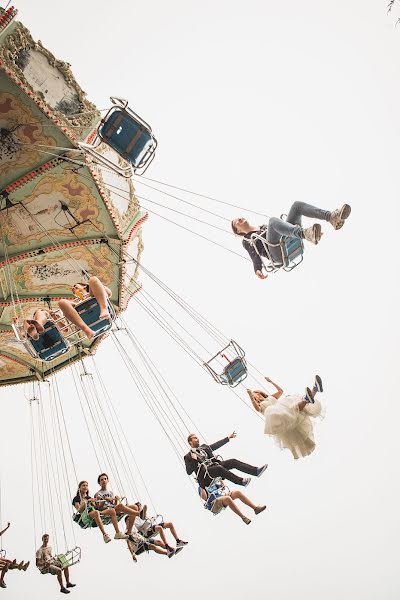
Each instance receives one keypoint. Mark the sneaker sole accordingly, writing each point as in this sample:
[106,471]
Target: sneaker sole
[345,212]
[317,232]
[318,382]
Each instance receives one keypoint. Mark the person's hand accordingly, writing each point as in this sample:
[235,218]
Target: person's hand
[268,379]
[194,455]
[8,525]
[232,435]
[260,275]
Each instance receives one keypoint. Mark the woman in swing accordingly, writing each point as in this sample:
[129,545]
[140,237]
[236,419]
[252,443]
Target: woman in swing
[288,419]
[291,228]
[6,564]
[82,291]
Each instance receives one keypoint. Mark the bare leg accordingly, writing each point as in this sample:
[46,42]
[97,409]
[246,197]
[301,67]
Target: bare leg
[238,495]
[160,530]
[110,512]
[158,549]
[132,514]
[95,515]
[172,529]
[71,314]
[98,291]
[59,577]
[230,503]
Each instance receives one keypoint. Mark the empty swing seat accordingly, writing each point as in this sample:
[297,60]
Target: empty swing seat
[234,373]
[89,311]
[50,345]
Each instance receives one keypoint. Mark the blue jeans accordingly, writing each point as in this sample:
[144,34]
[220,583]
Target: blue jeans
[292,227]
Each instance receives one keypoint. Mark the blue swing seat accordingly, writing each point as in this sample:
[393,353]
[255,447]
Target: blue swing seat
[129,136]
[234,373]
[89,311]
[292,250]
[50,344]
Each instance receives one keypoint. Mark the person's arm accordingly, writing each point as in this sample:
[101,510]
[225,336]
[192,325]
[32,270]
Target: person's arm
[279,390]
[255,403]
[5,529]
[217,445]
[190,463]
[257,262]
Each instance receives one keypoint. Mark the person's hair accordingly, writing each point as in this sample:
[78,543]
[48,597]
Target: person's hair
[234,229]
[44,535]
[78,493]
[85,285]
[190,436]
[100,476]
[263,394]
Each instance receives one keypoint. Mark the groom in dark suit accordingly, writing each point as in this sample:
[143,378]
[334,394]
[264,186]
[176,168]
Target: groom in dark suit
[201,460]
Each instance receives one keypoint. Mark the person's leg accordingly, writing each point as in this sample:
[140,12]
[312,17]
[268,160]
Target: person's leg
[110,512]
[302,209]
[4,569]
[158,529]
[238,495]
[172,529]
[230,504]
[131,512]
[221,471]
[157,549]
[70,313]
[98,291]
[95,515]
[233,463]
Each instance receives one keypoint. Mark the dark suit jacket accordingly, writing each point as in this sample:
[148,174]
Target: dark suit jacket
[192,465]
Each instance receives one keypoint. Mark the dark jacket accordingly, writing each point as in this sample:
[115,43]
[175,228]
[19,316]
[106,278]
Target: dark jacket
[247,245]
[192,465]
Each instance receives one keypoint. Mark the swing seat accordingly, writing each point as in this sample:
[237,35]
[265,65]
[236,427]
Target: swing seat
[234,373]
[128,136]
[3,554]
[215,490]
[50,345]
[89,311]
[236,369]
[290,249]
[70,558]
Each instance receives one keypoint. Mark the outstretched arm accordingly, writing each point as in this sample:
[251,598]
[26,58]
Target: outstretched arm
[279,390]
[220,443]
[255,403]
[5,529]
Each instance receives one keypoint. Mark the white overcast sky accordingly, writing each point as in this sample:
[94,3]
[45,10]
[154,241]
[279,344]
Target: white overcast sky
[258,103]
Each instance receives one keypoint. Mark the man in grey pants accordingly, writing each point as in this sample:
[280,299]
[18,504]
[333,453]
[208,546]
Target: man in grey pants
[290,228]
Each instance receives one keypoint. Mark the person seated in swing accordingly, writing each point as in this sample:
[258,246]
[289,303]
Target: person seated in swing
[6,564]
[84,503]
[291,228]
[202,461]
[148,529]
[47,563]
[139,542]
[227,499]
[82,291]
[34,327]
[288,418]
[106,499]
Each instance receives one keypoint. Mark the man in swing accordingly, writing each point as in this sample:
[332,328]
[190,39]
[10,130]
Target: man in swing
[6,564]
[291,228]
[47,563]
[202,461]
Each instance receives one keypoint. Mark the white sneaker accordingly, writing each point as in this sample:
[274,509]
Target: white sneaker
[313,234]
[106,538]
[120,536]
[339,216]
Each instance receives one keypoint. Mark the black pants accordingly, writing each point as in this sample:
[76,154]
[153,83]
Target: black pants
[222,469]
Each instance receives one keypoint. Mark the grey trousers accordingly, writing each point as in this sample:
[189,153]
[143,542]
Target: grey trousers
[292,227]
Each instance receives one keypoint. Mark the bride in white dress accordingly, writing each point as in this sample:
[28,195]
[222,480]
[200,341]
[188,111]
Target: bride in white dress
[288,419]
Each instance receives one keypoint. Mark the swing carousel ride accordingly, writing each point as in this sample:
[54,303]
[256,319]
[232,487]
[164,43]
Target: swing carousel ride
[68,211]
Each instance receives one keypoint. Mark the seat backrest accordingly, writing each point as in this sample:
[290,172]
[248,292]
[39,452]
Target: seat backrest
[50,344]
[89,311]
[234,372]
[64,562]
[126,135]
